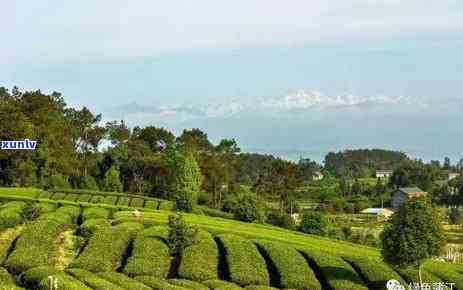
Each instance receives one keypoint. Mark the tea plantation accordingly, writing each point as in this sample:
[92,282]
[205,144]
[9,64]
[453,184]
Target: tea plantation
[91,240]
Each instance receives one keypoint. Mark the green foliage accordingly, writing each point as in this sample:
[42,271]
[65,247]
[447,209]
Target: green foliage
[7,237]
[315,223]
[5,278]
[65,281]
[375,274]
[32,277]
[30,212]
[412,235]
[106,248]
[84,198]
[88,182]
[247,208]
[110,199]
[184,179]
[137,202]
[337,274]
[93,280]
[221,285]
[37,242]
[293,270]
[204,253]
[455,217]
[123,281]
[411,275]
[446,272]
[180,235]
[157,283]
[95,213]
[281,220]
[57,180]
[45,207]
[150,254]
[188,284]
[259,287]
[123,201]
[112,180]
[90,226]
[11,214]
[246,265]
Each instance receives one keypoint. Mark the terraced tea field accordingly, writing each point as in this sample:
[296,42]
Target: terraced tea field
[101,246]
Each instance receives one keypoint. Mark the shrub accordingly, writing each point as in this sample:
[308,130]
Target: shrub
[7,238]
[150,254]
[123,281]
[188,284]
[45,195]
[5,278]
[137,202]
[293,270]
[71,197]
[65,281]
[59,196]
[110,199]
[37,242]
[57,181]
[446,272]
[247,208]
[216,213]
[411,275]
[125,201]
[11,214]
[336,273]
[30,212]
[90,226]
[92,280]
[45,207]
[157,283]
[246,265]
[315,223]
[152,204]
[221,285]
[72,211]
[88,182]
[32,277]
[180,234]
[374,272]
[97,199]
[106,248]
[166,205]
[95,213]
[455,217]
[112,180]
[84,198]
[281,220]
[204,253]
[259,287]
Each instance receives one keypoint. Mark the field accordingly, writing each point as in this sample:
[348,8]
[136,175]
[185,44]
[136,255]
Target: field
[106,247]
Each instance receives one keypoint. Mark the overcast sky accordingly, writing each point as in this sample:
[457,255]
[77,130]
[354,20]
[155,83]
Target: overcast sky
[294,78]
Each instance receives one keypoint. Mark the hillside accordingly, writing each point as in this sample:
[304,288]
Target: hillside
[101,245]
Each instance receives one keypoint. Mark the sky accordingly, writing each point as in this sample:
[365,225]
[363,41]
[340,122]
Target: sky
[291,78]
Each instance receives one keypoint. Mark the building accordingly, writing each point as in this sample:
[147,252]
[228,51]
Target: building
[383,173]
[402,194]
[317,175]
[380,213]
[449,175]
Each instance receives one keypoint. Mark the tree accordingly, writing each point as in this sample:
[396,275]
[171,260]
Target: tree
[412,235]
[455,217]
[88,182]
[315,223]
[447,163]
[247,208]
[185,179]
[112,180]
[195,140]
[180,235]
[159,139]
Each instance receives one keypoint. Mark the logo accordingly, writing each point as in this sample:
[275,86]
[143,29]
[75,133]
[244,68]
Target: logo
[394,285]
[25,144]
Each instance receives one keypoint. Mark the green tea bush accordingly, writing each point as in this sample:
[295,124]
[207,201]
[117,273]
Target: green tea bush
[259,287]
[11,214]
[204,253]
[65,282]
[7,239]
[188,284]
[90,226]
[32,277]
[137,202]
[246,265]
[97,199]
[216,213]
[293,270]
[71,197]
[59,196]
[45,207]
[45,195]
[336,273]
[150,254]
[123,281]
[93,280]
[125,201]
[447,272]
[152,204]
[110,199]
[159,284]
[166,205]
[37,242]
[72,211]
[84,198]
[5,278]
[221,285]
[95,213]
[106,248]
[411,275]
[374,272]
